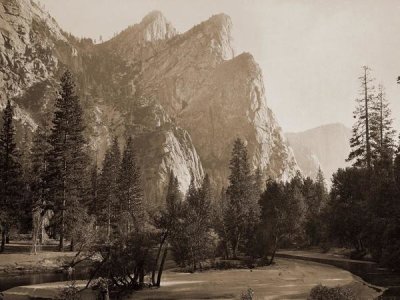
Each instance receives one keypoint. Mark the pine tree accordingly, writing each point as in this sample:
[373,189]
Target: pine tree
[194,240]
[67,158]
[93,206]
[243,209]
[11,183]
[130,191]
[360,142]
[38,183]
[396,169]
[108,188]
[382,132]
[320,191]
[25,216]
[316,198]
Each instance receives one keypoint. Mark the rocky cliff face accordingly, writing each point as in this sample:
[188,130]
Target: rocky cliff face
[325,146]
[142,41]
[184,97]
[231,103]
[217,97]
[33,53]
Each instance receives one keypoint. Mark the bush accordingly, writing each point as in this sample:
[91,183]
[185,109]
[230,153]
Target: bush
[321,292]
[247,295]
[227,264]
[70,292]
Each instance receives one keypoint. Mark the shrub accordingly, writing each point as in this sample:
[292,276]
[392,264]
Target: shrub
[70,292]
[321,292]
[227,264]
[247,295]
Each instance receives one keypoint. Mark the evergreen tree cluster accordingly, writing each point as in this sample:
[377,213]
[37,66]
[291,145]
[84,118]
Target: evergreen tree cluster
[11,184]
[364,211]
[373,135]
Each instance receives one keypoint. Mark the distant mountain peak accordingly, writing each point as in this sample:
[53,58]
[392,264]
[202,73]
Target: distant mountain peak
[152,16]
[215,32]
[326,146]
[155,26]
[221,19]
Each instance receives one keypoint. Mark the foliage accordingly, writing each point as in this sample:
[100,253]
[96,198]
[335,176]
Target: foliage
[242,209]
[281,214]
[107,190]
[70,292]
[347,207]
[360,142]
[321,292]
[168,221]
[192,242]
[67,166]
[11,176]
[247,295]
[382,132]
[127,259]
[130,208]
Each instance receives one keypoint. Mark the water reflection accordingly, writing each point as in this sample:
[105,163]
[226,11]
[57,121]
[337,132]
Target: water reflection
[8,282]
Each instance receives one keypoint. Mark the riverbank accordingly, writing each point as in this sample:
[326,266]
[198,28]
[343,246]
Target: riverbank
[369,271]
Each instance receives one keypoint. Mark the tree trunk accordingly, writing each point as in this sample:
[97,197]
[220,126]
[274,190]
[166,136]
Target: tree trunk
[367,119]
[3,239]
[236,246]
[72,245]
[61,244]
[160,270]
[274,251]
[226,246]
[141,276]
[153,273]
[109,222]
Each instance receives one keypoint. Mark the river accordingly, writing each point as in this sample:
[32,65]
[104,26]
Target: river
[8,282]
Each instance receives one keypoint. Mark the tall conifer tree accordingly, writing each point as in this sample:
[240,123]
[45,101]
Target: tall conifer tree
[360,142]
[11,184]
[108,188]
[243,210]
[67,158]
[130,191]
[382,132]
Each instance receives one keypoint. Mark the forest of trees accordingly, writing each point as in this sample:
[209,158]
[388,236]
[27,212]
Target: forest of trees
[56,188]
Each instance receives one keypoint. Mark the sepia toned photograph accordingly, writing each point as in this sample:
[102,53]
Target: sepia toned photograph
[200,149]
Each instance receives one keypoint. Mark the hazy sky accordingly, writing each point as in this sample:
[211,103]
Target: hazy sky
[311,52]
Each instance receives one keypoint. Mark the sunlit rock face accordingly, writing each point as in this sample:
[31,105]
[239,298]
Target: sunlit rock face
[141,41]
[27,38]
[217,97]
[179,69]
[231,104]
[183,97]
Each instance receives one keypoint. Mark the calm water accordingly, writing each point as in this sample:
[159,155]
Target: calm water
[8,282]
